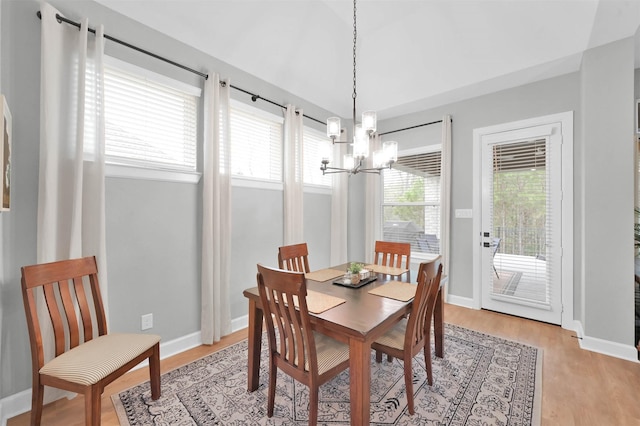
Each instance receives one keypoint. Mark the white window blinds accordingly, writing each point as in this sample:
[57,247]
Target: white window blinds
[312,156]
[256,144]
[411,202]
[149,123]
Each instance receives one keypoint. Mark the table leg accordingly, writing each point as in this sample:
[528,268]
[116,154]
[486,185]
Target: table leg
[438,324]
[255,345]
[360,380]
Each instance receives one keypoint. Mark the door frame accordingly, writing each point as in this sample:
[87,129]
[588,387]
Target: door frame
[565,120]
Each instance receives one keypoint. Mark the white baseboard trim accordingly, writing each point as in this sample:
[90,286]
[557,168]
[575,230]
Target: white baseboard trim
[13,405]
[239,323]
[465,302]
[606,347]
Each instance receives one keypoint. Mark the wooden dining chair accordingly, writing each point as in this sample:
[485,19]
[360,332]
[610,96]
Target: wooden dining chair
[294,257]
[310,358]
[387,253]
[87,358]
[411,335]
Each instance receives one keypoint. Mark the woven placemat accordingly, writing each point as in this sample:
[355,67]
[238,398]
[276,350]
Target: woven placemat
[324,274]
[388,270]
[396,290]
[319,302]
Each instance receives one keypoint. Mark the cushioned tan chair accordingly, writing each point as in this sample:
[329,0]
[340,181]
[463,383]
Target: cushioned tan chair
[412,335]
[389,253]
[294,257]
[309,357]
[86,358]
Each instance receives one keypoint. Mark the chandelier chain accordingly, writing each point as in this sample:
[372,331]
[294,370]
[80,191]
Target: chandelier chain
[355,36]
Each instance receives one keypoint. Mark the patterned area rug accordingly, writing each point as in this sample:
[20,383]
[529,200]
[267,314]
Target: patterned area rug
[482,380]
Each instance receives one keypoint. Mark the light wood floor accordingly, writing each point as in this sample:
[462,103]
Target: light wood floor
[578,387]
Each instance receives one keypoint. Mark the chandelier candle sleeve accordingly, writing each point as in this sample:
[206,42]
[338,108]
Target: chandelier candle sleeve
[333,127]
[369,121]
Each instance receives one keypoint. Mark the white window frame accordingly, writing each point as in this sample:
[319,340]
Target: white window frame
[130,171]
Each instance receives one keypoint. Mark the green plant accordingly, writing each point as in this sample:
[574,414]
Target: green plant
[355,267]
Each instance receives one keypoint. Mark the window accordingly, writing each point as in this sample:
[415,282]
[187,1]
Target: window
[256,143]
[411,201]
[151,121]
[311,157]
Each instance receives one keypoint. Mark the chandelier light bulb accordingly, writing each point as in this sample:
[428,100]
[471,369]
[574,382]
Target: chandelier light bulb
[390,149]
[360,142]
[369,121]
[349,162]
[326,151]
[333,127]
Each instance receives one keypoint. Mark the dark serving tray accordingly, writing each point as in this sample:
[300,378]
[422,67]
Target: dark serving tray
[360,284]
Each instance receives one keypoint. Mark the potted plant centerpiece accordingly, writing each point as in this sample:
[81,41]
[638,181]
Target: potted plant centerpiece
[354,270]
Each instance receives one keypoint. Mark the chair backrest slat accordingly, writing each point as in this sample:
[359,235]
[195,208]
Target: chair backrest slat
[388,253]
[69,308]
[55,316]
[83,305]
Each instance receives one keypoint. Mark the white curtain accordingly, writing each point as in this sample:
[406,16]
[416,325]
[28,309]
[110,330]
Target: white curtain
[372,206]
[293,185]
[71,211]
[445,194]
[339,210]
[216,212]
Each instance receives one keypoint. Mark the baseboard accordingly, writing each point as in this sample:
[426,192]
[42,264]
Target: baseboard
[606,347]
[465,302]
[14,405]
[239,323]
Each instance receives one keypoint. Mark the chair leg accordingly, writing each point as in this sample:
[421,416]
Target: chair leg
[273,372]
[313,405]
[92,406]
[154,372]
[389,358]
[37,395]
[427,361]
[408,382]
[379,356]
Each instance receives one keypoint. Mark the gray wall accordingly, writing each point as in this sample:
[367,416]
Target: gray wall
[153,227]
[551,96]
[607,162]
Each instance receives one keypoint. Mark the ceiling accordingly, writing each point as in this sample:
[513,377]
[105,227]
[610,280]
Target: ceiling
[412,54]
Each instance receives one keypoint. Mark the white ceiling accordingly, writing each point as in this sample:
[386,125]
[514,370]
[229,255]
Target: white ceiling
[412,54]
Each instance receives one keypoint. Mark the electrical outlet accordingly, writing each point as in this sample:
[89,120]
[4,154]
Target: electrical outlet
[146,322]
[464,213]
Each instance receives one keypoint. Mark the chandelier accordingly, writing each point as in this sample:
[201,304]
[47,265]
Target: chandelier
[363,132]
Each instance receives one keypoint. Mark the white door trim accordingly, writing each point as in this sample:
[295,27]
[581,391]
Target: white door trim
[566,121]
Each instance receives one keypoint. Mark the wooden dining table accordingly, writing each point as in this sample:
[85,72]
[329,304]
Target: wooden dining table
[359,321]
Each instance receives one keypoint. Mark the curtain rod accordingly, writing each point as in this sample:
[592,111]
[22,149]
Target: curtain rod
[254,97]
[412,127]
[124,43]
